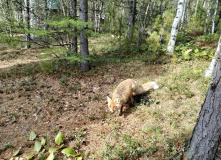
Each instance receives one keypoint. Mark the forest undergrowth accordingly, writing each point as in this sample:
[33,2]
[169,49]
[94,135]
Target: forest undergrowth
[47,98]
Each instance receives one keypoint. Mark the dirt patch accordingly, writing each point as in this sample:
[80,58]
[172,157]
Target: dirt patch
[12,57]
[47,104]
[57,97]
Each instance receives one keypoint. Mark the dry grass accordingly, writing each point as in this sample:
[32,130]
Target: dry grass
[156,131]
[160,130]
[101,44]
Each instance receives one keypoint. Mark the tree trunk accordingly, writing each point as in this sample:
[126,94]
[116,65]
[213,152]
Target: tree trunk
[209,71]
[27,21]
[207,131]
[207,17]
[219,14]
[74,37]
[214,16]
[46,13]
[132,14]
[20,12]
[183,15]
[32,16]
[63,7]
[97,11]
[174,30]
[145,16]
[196,7]
[83,39]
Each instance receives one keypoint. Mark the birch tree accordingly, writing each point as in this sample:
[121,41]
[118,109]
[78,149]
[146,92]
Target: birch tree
[209,71]
[32,16]
[207,16]
[132,14]
[206,135]
[83,39]
[196,6]
[174,30]
[214,16]
[183,14]
[97,10]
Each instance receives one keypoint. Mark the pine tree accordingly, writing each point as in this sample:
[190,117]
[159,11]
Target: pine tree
[132,15]
[74,37]
[83,39]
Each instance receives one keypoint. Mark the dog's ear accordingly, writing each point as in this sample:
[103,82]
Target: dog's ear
[108,100]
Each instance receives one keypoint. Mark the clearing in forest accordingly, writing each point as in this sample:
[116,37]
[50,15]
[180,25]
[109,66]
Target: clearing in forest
[54,96]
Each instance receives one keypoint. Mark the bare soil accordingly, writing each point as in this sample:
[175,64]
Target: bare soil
[48,103]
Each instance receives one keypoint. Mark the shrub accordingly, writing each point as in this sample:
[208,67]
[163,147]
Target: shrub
[152,43]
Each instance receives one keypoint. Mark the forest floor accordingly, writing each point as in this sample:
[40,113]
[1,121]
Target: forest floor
[32,98]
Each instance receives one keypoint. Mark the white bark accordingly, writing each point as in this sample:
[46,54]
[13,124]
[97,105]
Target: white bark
[123,12]
[145,16]
[197,2]
[183,15]
[32,19]
[63,7]
[32,16]
[207,16]
[209,71]
[174,30]
[96,17]
[214,16]
[98,9]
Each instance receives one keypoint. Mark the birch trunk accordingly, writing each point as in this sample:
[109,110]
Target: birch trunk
[96,17]
[83,39]
[183,15]
[63,7]
[74,37]
[206,135]
[214,16]
[132,15]
[100,14]
[32,16]
[145,16]
[209,71]
[197,2]
[123,12]
[174,30]
[207,16]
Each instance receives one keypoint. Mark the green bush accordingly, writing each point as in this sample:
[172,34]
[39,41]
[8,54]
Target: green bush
[152,43]
[190,51]
[47,66]
[208,38]
[163,24]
